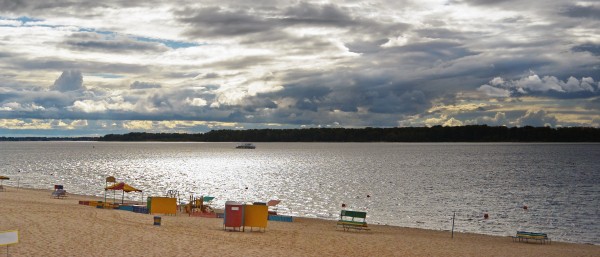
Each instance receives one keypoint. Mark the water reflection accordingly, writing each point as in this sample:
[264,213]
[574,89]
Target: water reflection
[413,185]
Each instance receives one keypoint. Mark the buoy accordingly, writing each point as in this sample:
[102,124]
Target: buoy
[486,216]
[343,205]
[525,207]
[368,196]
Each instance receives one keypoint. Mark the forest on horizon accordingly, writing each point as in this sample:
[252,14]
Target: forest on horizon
[472,133]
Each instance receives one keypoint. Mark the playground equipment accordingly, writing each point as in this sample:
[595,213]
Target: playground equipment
[198,207]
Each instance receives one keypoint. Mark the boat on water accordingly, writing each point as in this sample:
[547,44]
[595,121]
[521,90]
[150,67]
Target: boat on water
[246,146]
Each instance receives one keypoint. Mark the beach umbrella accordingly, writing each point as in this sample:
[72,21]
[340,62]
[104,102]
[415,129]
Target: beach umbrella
[124,187]
[2,178]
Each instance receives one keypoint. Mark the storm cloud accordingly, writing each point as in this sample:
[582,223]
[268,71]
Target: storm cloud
[191,66]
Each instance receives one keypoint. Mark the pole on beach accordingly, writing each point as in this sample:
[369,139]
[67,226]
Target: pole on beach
[453,216]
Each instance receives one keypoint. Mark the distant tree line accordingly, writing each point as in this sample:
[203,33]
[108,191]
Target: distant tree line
[49,138]
[474,133]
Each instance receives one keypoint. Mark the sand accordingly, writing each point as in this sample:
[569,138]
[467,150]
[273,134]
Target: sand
[62,227]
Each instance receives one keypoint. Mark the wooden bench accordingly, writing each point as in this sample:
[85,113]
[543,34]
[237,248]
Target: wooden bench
[525,236]
[353,220]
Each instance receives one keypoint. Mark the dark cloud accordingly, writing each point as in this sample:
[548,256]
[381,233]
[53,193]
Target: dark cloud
[591,48]
[302,91]
[252,104]
[144,85]
[7,96]
[67,6]
[269,25]
[439,33]
[211,75]
[410,102]
[5,54]
[435,50]
[348,91]
[69,80]
[481,2]
[214,21]
[329,15]
[593,104]
[301,45]
[12,4]
[93,42]
[307,105]
[583,12]
[86,66]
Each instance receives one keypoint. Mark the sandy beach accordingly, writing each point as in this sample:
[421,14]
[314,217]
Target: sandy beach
[62,227]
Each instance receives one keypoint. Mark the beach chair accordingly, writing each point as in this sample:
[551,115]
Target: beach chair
[58,193]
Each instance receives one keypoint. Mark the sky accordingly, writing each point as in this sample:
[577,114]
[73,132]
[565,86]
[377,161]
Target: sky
[90,68]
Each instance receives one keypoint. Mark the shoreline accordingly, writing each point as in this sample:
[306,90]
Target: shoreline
[51,227]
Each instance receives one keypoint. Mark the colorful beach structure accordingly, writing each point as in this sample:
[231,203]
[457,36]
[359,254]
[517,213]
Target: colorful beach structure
[126,207]
[238,216]
[162,205]
[199,207]
[122,186]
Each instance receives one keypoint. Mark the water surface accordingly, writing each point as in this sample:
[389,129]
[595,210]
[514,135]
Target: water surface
[403,184]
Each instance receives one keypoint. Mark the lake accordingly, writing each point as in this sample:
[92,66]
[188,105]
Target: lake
[418,185]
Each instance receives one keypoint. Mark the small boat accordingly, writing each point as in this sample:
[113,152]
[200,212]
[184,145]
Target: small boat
[246,146]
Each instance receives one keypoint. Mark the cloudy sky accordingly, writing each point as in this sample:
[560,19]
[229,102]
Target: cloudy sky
[76,68]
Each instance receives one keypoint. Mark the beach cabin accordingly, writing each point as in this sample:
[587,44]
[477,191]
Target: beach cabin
[162,205]
[256,216]
[234,215]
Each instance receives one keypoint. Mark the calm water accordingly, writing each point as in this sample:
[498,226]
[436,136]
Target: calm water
[410,185]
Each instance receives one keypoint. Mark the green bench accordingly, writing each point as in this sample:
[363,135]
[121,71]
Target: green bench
[353,220]
[525,236]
